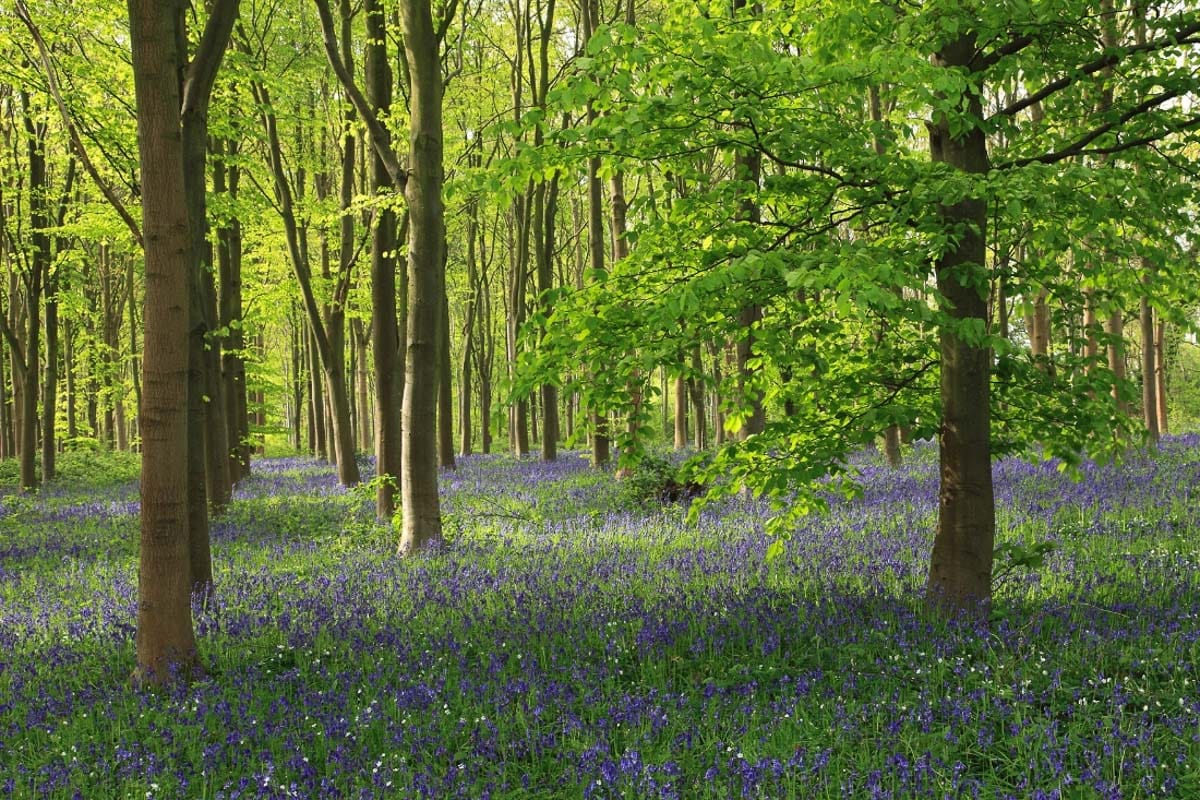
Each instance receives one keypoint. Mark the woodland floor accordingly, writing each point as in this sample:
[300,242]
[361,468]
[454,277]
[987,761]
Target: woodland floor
[570,643]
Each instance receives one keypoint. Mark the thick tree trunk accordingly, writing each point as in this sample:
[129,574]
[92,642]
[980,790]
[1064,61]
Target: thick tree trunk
[681,405]
[166,647]
[891,446]
[960,570]
[1040,331]
[422,521]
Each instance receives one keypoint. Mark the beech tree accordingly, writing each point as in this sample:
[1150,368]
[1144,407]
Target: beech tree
[788,86]
[166,649]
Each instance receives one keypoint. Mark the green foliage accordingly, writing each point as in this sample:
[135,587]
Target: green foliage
[1013,557]
[654,480]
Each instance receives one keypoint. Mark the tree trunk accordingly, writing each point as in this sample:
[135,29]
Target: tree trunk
[38,272]
[718,414]
[166,646]
[385,319]
[960,570]
[317,401]
[422,522]
[681,422]
[696,391]
[891,446]
[1160,369]
[50,392]
[227,180]
[468,353]
[69,369]
[445,400]
[597,422]
[1149,369]
[1114,328]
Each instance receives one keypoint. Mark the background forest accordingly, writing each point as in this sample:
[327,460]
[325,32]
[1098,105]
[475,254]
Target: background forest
[793,241]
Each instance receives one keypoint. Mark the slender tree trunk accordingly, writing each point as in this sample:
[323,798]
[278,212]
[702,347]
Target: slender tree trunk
[445,398]
[134,369]
[50,392]
[1149,368]
[718,414]
[317,401]
[1160,370]
[227,180]
[422,522]
[1114,328]
[69,369]
[696,391]
[206,404]
[5,419]
[39,270]
[597,422]
[468,353]
[960,571]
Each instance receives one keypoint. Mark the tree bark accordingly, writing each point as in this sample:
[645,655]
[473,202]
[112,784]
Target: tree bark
[597,422]
[1149,367]
[227,180]
[422,522]
[1160,370]
[39,269]
[1114,328]
[445,400]
[166,646]
[960,571]
[681,405]
[696,391]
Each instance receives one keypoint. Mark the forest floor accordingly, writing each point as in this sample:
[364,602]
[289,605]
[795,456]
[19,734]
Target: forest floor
[568,642]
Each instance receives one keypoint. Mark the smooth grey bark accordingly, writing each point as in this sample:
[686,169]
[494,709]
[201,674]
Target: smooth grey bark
[422,522]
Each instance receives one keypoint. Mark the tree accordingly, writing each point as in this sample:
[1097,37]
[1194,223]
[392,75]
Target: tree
[934,213]
[166,648]
[422,524]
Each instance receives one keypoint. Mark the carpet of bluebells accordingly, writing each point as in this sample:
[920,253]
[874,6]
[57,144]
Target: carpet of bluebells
[570,643]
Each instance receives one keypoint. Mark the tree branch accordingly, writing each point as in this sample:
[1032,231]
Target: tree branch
[1011,47]
[1079,146]
[72,129]
[202,71]
[380,140]
[1103,62]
